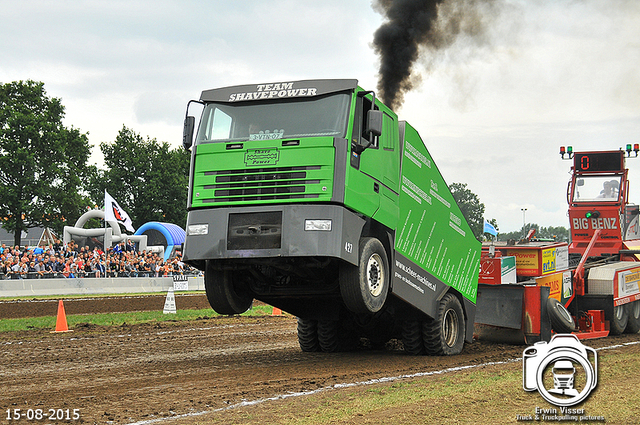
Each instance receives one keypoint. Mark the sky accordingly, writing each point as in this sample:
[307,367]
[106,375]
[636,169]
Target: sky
[493,109]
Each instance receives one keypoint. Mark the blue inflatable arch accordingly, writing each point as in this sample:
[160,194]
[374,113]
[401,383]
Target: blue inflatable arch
[168,235]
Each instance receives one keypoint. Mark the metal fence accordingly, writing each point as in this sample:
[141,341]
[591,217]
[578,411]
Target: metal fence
[74,275]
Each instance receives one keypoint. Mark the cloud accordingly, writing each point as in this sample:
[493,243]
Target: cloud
[159,107]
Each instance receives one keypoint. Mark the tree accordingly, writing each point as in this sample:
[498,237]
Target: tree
[559,234]
[471,207]
[147,179]
[42,162]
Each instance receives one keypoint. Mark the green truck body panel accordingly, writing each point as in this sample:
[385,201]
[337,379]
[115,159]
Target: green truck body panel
[432,232]
[317,173]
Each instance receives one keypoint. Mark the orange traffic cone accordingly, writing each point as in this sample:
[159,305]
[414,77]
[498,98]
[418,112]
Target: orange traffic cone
[276,312]
[61,321]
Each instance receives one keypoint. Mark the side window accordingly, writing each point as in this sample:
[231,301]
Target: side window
[215,125]
[221,125]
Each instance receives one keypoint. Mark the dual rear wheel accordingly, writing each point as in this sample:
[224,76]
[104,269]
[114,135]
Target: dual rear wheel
[440,336]
[633,319]
[626,318]
[329,336]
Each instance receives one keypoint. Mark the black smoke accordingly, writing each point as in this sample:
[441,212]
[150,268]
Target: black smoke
[414,26]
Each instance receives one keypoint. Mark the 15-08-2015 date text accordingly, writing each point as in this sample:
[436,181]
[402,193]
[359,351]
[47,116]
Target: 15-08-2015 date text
[43,414]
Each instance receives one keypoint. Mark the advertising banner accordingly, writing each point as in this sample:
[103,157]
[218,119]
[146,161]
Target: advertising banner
[432,232]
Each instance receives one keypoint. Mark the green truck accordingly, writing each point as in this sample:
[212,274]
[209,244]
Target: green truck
[313,197]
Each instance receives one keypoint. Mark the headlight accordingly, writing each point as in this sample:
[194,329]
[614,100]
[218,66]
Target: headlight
[324,225]
[198,229]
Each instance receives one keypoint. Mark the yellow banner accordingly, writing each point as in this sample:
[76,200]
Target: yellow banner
[554,282]
[526,260]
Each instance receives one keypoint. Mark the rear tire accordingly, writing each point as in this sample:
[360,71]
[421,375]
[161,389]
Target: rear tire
[308,335]
[633,311]
[224,294]
[412,337]
[561,319]
[334,336]
[445,334]
[364,288]
[618,322]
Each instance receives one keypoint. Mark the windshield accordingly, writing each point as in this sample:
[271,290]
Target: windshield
[319,116]
[597,189]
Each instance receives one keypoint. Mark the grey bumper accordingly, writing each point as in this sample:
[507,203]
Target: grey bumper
[250,235]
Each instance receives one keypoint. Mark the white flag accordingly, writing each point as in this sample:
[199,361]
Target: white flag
[113,212]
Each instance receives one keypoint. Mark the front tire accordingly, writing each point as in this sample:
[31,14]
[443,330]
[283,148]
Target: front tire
[224,293]
[364,288]
[445,334]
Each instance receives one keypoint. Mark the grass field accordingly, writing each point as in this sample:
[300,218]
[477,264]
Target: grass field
[118,319]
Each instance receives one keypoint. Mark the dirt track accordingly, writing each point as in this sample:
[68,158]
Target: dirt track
[135,373]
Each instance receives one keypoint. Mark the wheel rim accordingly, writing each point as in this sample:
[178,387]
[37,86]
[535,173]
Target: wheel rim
[635,309]
[375,275]
[564,313]
[619,312]
[450,327]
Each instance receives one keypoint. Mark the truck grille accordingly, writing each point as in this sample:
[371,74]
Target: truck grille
[261,184]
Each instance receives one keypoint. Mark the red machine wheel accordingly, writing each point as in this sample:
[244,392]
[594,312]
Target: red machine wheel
[633,311]
[618,322]
[561,319]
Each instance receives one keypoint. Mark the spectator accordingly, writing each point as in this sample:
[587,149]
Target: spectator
[38,268]
[23,269]
[17,263]
[68,269]
[48,267]
[58,267]
[122,270]
[89,268]
[5,269]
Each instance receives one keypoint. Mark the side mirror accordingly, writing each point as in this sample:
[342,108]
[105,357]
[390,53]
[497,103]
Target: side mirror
[187,132]
[374,122]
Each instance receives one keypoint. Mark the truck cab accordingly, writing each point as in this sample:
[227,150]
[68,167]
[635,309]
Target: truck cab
[598,199]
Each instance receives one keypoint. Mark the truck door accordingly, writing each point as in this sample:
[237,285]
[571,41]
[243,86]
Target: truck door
[379,164]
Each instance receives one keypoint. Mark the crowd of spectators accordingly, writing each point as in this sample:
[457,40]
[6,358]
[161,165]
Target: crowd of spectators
[71,261]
